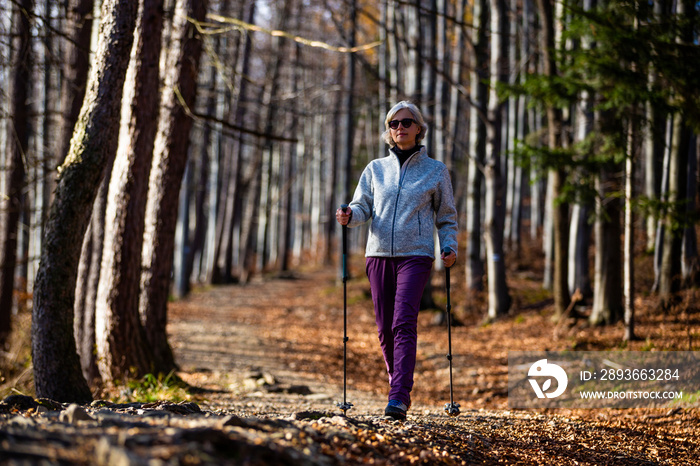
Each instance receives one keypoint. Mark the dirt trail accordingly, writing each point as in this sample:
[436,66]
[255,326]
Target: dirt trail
[266,361]
[286,330]
[291,330]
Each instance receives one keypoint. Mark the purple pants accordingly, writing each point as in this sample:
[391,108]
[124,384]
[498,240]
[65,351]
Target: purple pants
[397,285]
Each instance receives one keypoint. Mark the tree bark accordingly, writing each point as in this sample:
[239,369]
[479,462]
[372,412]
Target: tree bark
[57,372]
[477,147]
[607,296]
[76,57]
[18,142]
[289,207]
[494,216]
[87,282]
[457,132]
[349,106]
[122,349]
[628,254]
[580,231]
[394,49]
[227,251]
[691,259]
[560,210]
[414,65]
[663,197]
[655,139]
[671,271]
[169,161]
[257,209]
[579,247]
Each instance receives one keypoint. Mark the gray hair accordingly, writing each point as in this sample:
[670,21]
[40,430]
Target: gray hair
[386,135]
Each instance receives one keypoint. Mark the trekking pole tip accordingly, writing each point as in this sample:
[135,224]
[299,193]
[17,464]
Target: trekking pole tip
[452,409]
[344,406]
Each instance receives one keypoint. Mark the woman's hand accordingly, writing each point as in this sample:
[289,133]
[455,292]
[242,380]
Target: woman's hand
[343,217]
[448,260]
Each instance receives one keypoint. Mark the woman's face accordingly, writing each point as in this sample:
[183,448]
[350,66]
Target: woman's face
[404,137]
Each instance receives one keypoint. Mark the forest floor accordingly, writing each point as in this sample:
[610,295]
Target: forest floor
[265,361]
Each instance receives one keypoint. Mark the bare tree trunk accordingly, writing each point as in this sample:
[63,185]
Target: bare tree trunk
[537,183]
[414,64]
[394,52]
[227,252]
[250,216]
[663,197]
[580,231]
[83,322]
[289,207]
[383,84]
[12,203]
[510,126]
[87,282]
[691,259]
[193,254]
[169,160]
[222,101]
[258,205]
[122,349]
[548,232]
[264,215]
[655,139]
[349,107]
[607,295]
[75,70]
[579,248]
[79,27]
[671,273]
[494,215]
[334,195]
[628,254]
[92,150]
[607,298]
[477,146]
[437,88]
[44,141]
[211,181]
[557,175]
[671,270]
[628,222]
[181,245]
[456,131]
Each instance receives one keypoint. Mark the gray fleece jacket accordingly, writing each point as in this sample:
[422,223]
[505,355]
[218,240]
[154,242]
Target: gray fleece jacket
[404,203]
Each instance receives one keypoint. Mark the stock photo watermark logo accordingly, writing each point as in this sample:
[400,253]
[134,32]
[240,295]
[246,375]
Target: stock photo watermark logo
[603,379]
[551,371]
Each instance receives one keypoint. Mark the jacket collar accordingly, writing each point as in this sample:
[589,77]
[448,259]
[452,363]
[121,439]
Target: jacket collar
[417,151]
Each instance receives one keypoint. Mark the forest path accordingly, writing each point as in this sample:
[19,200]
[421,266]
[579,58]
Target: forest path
[273,348]
[265,363]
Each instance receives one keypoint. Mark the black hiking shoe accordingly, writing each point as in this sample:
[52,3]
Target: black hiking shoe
[396,410]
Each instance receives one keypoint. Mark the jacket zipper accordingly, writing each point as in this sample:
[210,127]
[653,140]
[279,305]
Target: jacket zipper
[402,175]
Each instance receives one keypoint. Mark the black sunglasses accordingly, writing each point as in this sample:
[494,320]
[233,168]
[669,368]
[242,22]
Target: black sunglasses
[406,123]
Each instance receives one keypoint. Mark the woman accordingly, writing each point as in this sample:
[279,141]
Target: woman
[404,194]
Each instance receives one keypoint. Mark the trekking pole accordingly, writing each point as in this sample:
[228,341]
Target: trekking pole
[345,405]
[451,408]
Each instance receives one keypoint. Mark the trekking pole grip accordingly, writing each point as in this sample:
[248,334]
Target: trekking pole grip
[446,251]
[343,207]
